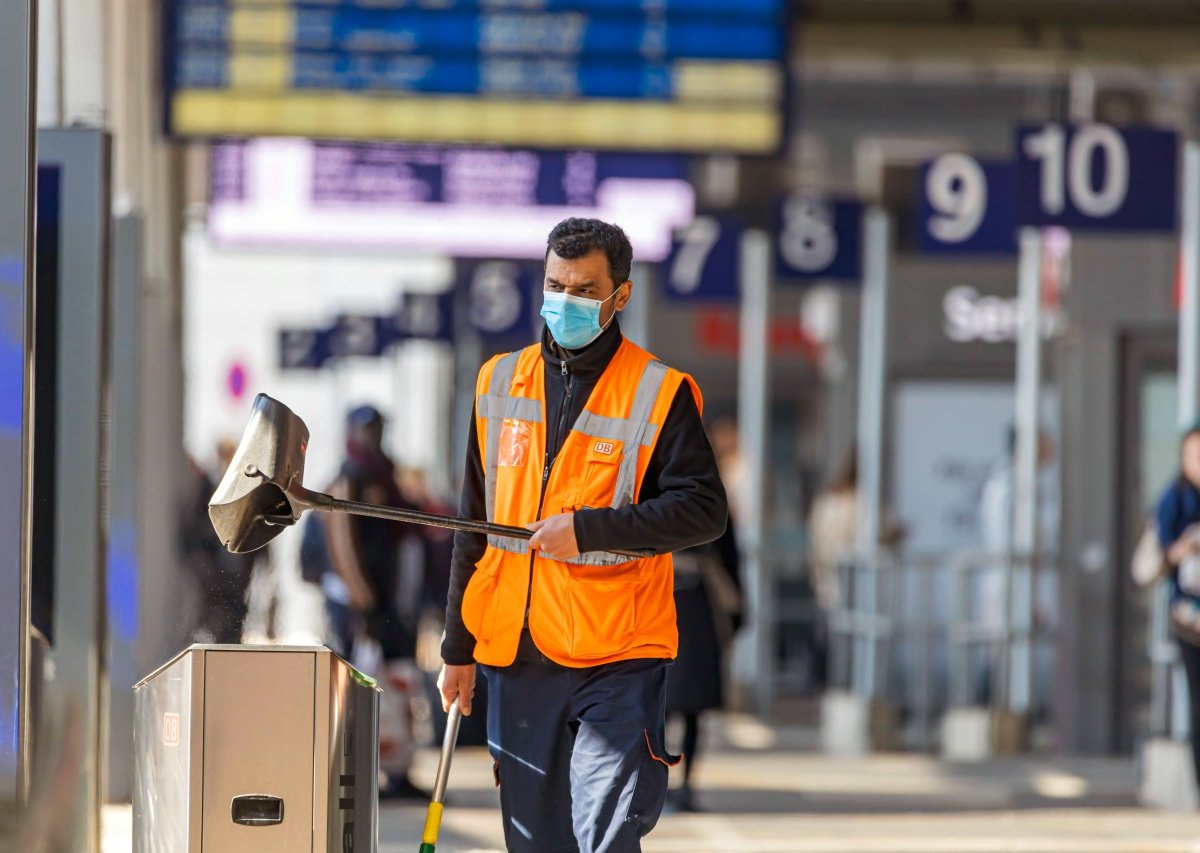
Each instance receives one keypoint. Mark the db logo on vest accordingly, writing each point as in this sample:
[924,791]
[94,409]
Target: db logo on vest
[605,447]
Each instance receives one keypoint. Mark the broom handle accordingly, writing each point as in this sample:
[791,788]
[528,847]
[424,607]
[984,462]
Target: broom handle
[448,742]
[429,519]
[433,817]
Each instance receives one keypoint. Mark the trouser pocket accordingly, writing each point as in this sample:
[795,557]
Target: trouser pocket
[650,792]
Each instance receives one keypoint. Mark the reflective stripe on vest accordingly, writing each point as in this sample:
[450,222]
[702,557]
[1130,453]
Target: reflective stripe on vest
[634,432]
[494,407]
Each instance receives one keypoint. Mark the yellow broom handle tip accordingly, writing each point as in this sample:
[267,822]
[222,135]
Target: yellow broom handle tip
[433,821]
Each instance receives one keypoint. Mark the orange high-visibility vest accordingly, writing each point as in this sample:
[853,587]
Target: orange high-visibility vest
[599,607]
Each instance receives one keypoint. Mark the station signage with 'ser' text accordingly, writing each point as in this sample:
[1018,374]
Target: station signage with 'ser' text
[969,316]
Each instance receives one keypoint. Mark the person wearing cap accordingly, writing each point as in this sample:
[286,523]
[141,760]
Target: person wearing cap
[597,447]
[365,556]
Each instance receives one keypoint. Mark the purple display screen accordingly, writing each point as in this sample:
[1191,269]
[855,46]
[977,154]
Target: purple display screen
[414,174]
[227,171]
[466,202]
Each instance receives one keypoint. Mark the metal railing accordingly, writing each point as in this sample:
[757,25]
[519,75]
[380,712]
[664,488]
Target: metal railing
[911,630]
[1168,693]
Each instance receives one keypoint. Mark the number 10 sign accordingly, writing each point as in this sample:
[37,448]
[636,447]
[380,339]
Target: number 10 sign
[1097,177]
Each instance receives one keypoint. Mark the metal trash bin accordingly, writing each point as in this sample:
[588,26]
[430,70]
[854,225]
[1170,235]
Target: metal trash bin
[256,749]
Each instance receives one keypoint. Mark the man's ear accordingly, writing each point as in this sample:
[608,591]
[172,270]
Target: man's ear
[624,293]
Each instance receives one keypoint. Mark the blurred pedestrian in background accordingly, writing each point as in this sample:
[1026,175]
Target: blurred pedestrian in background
[709,609]
[997,507]
[436,545]
[833,539]
[365,556]
[222,579]
[316,567]
[833,528]
[997,518]
[726,446]
[1178,519]
[365,552]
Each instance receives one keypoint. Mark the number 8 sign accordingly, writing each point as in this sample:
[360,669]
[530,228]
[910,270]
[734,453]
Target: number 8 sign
[818,238]
[1097,177]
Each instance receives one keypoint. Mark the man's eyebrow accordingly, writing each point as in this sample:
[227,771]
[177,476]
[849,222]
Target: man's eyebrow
[558,283]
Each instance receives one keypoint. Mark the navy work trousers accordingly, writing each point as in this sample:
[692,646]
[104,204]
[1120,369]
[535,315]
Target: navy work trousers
[578,753]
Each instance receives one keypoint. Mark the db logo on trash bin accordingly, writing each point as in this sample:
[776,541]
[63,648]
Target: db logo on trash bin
[170,729]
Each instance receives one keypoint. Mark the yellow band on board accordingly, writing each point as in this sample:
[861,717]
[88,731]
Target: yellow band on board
[433,820]
[683,125]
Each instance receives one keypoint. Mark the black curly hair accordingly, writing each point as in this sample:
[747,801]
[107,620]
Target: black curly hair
[575,237]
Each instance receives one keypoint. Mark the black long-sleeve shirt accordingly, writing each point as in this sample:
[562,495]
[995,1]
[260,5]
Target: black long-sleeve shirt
[681,503]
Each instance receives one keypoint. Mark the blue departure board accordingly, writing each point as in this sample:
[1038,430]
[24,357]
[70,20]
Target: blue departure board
[665,75]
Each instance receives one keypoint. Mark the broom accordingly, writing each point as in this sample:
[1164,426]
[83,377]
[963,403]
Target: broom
[433,817]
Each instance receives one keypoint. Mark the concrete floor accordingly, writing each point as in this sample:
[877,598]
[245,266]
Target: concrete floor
[762,793]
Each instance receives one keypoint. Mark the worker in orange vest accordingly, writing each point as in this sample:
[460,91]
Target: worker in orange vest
[595,445]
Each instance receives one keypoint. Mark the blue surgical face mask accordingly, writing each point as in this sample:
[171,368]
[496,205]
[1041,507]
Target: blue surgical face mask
[574,321]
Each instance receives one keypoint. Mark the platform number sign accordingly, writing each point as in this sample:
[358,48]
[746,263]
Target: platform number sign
[496,297]
[304,348]
[818,238]
[423,316]
[495,301]
[1097,177]
[967,206]
[358,335]
[703,263]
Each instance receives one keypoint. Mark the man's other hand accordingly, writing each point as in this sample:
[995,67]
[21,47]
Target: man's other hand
[457,682]
[554,537]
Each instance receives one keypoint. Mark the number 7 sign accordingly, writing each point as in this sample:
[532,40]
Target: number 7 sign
[1097,177]
[703,264]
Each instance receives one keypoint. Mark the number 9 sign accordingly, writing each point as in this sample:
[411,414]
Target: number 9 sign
[966,206]
[1097,177]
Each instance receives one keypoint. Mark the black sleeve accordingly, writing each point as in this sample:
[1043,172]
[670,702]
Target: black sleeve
[458,646]
[682,501]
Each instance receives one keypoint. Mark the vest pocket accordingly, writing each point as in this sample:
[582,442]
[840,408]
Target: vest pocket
[480,598]
[603,616]
[515,438]
[603,464]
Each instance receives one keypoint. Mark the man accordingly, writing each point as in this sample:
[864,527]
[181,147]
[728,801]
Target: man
[364,586]
[997,519]
[595,446]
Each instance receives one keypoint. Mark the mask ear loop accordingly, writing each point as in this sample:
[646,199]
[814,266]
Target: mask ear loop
[604,328]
